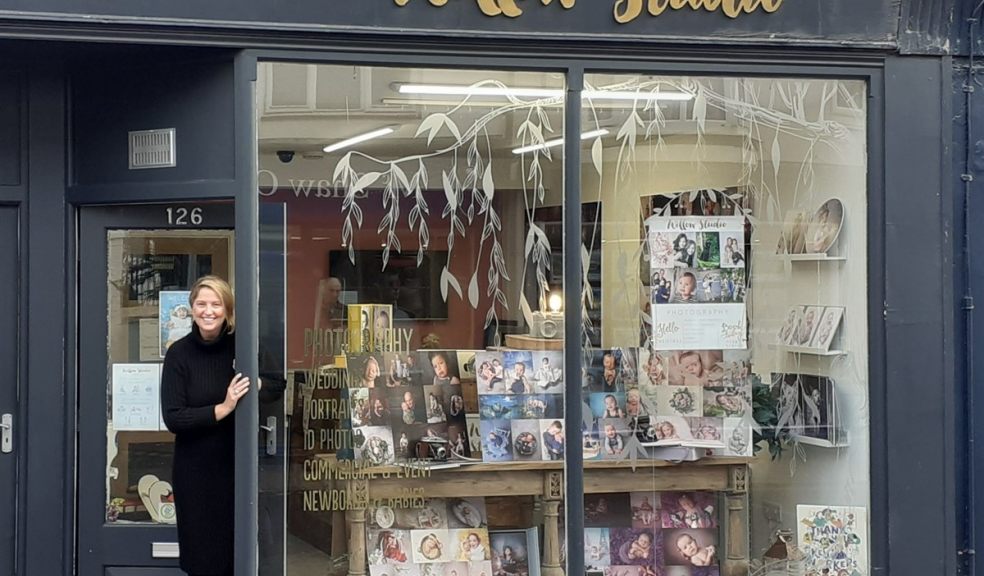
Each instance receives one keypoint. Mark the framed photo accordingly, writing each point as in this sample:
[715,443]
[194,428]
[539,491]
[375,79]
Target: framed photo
[806,329]
[825,226]
[787,331]
[792,239]
[829,322]
[515,552]
[174,317]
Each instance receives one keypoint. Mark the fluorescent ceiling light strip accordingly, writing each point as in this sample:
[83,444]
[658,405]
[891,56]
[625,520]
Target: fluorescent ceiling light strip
[448,90]
[360,138]
[558,142]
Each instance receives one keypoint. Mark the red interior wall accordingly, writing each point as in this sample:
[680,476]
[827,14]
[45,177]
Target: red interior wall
[307,263]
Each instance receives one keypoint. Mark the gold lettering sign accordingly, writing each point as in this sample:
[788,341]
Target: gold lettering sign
[628,10]
[496,7]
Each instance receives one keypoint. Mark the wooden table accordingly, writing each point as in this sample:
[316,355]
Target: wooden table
[527,342]
[546,480]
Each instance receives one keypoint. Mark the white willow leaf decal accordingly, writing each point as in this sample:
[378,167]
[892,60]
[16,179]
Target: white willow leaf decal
[488,185]
[473,291]
[597,152]
[448,280]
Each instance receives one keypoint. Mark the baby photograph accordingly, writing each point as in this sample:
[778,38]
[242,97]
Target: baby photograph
[689,509]
[707,432]
[434,404]
[490,372]
[597,548]
[636,547]
[431,546]
[407,405]
[501,407]
[679,401]
[466,365]
[483,568]
[614,436]
[645,510]
[496,440]
[653,370]
[607,405]
[440,367]
[365,370]
[548,373]
[692,367]
[471,544]
[552,439]
[389,547]
[725,402]
[689,547]
[374,445]
[518,376]
[526,440]
[467,513]
[536,406]
[686,286]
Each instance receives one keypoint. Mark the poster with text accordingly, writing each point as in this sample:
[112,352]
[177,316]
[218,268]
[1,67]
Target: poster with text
[698,282]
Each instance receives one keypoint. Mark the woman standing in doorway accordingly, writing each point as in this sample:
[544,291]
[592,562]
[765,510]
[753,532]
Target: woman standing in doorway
[199,393]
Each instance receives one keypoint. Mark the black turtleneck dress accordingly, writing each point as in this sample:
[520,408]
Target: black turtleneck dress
[195,378]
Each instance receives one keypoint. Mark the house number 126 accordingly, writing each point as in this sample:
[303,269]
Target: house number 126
[182,216]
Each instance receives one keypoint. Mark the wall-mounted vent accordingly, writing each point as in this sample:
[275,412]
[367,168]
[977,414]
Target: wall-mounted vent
[152,149]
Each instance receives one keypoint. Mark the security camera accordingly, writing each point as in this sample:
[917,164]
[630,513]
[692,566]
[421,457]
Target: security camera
[286,156]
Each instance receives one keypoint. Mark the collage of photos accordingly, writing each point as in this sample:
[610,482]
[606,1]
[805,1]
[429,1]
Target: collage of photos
[812,327]
[401,404]
[816,232]
[520,405]
[697,261]
[444,537]
[807,409]
[651,533]
[694,398]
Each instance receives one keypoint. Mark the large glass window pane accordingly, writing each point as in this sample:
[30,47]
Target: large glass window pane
[726,394]
[424,281]
[149,275]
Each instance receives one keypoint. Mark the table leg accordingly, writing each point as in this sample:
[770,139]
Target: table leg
[735,562]
[551,539]
[355,517]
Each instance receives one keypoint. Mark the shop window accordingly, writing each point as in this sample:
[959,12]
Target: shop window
[723,303]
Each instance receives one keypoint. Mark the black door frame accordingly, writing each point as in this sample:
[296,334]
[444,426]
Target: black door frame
[102,545]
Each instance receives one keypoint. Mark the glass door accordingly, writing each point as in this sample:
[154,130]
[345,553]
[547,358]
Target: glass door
[136,264]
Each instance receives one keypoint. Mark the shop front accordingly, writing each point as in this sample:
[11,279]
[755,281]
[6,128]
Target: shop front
[532,288]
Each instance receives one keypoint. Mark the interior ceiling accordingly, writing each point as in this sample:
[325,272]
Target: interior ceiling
[304,107]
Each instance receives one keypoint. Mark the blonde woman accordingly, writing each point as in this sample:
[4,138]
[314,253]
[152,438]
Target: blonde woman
[200,390]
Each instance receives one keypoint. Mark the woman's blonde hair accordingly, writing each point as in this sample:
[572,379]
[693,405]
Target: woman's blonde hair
[224,292]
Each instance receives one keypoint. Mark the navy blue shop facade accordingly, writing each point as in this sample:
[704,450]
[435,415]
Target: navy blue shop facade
[769,304]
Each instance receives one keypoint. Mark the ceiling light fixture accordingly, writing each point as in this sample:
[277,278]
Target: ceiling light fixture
[558,142]
[449,90]
[360,138]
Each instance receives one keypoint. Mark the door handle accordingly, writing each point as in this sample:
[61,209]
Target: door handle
[271,435]
[6,433]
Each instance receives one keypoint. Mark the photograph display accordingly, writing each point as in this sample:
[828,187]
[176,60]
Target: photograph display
[811,327]
[813,232]
[807,409]
[651,532]
[698,282]
[396,401]
[174,317]
[696,398]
